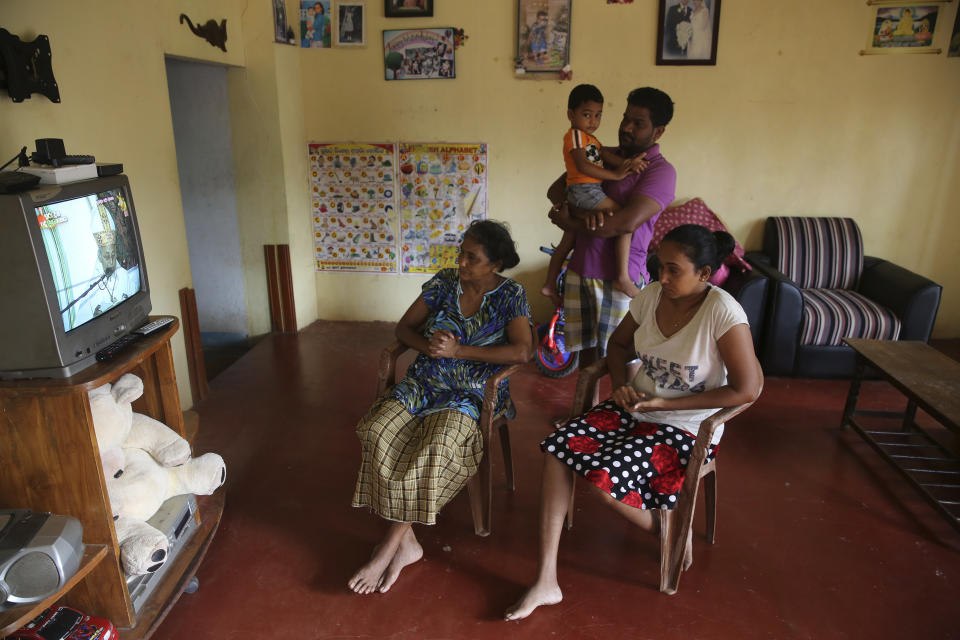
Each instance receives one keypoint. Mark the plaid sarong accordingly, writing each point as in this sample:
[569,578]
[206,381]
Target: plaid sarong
[414,465]
[592,309]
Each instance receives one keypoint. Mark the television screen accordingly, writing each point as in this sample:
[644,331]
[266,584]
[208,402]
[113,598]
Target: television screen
[90,243]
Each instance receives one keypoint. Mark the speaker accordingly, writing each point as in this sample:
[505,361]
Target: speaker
[39,552]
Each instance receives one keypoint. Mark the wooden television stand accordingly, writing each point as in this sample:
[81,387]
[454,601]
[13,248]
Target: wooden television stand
[49,461]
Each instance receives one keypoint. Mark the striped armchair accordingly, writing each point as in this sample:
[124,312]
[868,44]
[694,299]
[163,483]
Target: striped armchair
[823,289]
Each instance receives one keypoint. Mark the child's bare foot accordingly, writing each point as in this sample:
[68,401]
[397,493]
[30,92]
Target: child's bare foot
[409,552]
[368,577]
[537,595]
[626,286]
[550,291]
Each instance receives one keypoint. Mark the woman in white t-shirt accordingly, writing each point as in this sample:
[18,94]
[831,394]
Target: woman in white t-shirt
[696,355]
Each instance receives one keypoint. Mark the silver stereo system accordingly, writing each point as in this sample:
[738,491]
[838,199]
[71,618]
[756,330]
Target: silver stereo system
[176,520]
[39,552]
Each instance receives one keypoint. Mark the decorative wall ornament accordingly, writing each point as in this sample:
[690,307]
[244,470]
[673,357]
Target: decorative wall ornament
[215,34]
[687,32]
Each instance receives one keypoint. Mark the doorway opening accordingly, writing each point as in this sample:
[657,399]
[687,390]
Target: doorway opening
[199,104]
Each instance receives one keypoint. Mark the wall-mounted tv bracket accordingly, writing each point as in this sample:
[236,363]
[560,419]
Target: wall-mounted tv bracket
[25,67]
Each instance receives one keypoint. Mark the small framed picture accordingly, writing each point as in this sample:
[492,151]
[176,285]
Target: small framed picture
[279,21]
[953,51]
[315,26]
[351,27]
[687,32]
[543,35]
[419,54]
[408,8]
[903,27]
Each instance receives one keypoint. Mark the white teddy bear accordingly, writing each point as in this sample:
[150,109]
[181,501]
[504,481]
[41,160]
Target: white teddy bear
[144,463]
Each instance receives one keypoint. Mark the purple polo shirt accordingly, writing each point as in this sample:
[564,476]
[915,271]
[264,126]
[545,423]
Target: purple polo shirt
[595,257]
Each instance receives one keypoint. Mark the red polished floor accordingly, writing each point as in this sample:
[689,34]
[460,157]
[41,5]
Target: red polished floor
[816,537]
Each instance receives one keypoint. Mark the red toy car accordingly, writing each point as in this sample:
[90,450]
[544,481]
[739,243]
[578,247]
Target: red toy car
[64,623]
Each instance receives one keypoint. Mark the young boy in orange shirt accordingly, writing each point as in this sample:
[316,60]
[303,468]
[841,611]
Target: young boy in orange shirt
[585,158]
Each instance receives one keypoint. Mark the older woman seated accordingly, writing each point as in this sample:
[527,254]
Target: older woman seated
[422,442]
[696,355]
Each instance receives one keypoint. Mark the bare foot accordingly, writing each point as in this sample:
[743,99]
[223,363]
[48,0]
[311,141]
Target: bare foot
[409,552]
[624,285]
[535,596]
[550,291]
[369,576]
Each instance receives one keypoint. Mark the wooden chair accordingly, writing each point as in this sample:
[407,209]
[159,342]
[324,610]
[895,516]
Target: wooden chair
[675,523]
[480,486]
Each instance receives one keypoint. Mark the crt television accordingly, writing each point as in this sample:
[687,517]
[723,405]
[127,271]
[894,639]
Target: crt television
[72,275]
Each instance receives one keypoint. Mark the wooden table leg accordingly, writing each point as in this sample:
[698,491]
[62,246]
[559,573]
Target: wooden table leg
[910,415]
[854,393]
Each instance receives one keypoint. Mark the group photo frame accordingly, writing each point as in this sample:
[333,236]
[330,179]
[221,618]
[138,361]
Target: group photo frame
[351,23]
[419,54]
[687,32]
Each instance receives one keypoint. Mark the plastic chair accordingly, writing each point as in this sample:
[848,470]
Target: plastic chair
[675,524]
[480,486]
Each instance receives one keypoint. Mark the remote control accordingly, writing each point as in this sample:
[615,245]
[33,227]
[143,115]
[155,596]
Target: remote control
[112,349]
[150,327]
[77,159]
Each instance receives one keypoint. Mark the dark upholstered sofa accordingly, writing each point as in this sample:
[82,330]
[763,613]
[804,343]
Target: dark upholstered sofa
[823,289]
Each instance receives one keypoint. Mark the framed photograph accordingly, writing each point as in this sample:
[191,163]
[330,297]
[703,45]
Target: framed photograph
[903,28]
[408,8]
[418,54]
[687,32]
[279,21]
[953,49]
[543,35]
[316,30]
[351,27]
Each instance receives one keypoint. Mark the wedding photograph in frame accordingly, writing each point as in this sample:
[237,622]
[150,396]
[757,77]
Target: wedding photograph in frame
[687,32]
[408,8]
[543,35]
[351,24]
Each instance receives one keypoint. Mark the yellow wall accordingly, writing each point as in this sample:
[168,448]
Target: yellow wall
[108,59]
[791,121]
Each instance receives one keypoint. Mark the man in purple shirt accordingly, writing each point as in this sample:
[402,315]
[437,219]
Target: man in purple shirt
[592,307]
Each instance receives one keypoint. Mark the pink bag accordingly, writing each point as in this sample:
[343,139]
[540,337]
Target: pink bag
[696,211]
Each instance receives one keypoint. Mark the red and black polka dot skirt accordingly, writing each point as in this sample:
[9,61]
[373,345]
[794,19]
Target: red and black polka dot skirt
[639,463]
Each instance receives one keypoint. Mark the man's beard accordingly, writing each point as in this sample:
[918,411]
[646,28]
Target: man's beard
[632,149]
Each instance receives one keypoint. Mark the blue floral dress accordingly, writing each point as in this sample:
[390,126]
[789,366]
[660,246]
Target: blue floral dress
[445,383]
[421,444]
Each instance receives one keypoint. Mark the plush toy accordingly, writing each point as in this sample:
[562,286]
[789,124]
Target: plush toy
[144,463]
